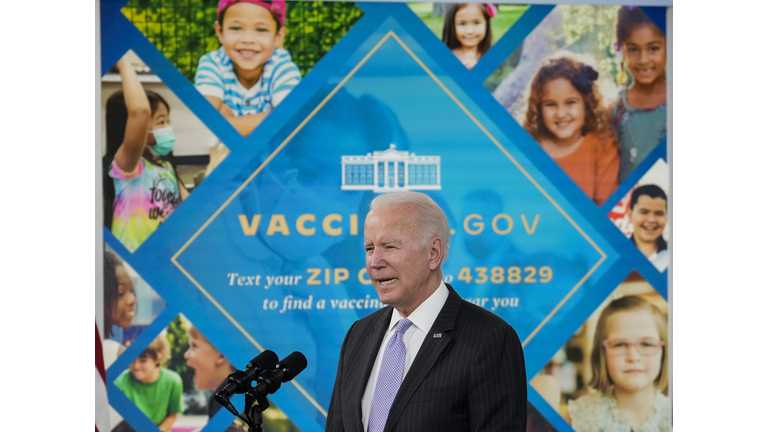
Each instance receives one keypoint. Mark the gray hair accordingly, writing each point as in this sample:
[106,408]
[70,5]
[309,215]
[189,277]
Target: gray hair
[429,216]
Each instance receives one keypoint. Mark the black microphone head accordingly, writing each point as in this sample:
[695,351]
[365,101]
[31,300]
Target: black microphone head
[292,365]
[264,361]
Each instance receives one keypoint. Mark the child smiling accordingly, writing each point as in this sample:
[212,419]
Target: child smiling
[250,74]
[467,31]
[155,390]
[566,116]
[640,113]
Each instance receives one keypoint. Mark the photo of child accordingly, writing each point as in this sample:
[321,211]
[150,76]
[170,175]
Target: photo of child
[211,370]
[567,117]
[250,74]
[617,43]
[130,304]
[642,215]
[613,374]
[640,113]
[155,390]
[119,305]
[467,30]
[629,370]
[141,185]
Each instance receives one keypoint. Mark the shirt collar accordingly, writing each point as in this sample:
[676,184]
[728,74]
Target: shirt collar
[426,314]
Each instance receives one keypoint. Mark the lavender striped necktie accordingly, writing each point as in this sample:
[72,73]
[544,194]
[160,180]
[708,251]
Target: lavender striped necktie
[390,377]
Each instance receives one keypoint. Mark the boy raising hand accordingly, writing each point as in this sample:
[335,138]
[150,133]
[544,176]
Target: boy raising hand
[250,73]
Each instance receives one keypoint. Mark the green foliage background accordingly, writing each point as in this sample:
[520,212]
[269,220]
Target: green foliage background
[590,30]
[183,29]
[179,341]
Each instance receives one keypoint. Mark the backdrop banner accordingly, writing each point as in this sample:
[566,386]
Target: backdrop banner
[236,224]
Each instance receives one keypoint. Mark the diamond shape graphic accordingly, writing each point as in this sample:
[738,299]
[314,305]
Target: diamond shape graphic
[282,257]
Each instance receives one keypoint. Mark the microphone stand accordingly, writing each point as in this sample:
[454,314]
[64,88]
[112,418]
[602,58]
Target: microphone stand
[255,406]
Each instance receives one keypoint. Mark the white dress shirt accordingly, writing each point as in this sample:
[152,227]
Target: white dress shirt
[422,318]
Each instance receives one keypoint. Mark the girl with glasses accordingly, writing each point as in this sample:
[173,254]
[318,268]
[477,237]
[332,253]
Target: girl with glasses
[629,371]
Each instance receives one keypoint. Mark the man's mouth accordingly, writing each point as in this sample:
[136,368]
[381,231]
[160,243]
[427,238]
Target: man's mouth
[385,282]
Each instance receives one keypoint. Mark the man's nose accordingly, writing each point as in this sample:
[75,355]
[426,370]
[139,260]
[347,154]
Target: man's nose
[376,258]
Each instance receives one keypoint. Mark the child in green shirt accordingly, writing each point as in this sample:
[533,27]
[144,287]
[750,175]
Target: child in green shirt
[156,391]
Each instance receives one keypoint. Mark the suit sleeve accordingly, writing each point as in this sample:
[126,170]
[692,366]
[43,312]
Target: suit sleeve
[498,393]
[335,420]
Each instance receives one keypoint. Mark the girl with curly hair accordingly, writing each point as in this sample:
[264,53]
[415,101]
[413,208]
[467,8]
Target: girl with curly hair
[566,116]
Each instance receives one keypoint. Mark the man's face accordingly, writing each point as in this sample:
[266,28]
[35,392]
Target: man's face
[648,217]
[397,264]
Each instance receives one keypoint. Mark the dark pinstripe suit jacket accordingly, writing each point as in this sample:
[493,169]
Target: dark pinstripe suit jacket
[472,378]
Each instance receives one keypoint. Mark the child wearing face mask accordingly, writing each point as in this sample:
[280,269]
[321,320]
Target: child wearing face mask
[640,113]
[467,30]
[629,371]
[141,188]
[566,116]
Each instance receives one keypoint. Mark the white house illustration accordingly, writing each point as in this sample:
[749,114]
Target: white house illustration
[390,170]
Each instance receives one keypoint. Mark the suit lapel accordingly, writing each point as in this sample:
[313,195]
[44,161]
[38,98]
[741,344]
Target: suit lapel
[430,351]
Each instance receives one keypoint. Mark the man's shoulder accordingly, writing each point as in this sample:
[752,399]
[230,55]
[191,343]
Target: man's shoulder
[474,318]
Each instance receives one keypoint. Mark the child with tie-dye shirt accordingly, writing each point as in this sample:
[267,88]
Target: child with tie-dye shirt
[141,188]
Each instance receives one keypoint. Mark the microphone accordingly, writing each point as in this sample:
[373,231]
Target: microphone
[240,381]
[269,381]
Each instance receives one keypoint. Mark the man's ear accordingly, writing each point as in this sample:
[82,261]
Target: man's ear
[435,253]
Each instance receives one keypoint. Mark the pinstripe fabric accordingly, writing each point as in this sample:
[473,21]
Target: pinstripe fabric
[470,379]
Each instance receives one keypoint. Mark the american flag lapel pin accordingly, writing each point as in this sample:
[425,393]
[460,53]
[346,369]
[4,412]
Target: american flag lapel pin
[437,335]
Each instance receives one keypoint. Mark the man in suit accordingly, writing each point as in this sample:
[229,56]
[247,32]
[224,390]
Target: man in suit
[429,361]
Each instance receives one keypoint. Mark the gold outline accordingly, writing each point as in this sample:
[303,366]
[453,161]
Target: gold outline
[301,126]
